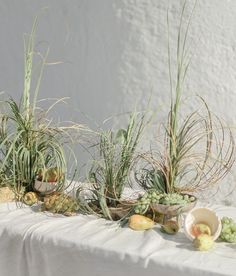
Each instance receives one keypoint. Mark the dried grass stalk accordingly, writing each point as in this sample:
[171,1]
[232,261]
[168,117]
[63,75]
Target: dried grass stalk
[197,152]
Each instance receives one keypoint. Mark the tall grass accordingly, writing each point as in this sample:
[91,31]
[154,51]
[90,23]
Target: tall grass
[28,140]
[109,173]
[197,151]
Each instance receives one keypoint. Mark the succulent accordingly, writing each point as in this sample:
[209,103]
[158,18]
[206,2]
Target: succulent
[60,203]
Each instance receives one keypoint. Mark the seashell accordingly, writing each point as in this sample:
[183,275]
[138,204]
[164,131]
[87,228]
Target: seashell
[202,216]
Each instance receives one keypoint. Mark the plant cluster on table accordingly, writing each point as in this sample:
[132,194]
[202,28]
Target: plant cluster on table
[197,152]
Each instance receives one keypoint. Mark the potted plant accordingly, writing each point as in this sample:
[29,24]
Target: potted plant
[29,141]
[48,180]
[197,152]
[108,175]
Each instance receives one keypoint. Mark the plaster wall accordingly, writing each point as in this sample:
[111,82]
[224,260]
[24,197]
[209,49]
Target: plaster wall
[114,57]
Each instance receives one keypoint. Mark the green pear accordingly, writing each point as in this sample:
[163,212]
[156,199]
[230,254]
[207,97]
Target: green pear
[170,227]
[203,242]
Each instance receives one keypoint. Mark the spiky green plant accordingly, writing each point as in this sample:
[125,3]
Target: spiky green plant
[199,150]
[109,173]
[28,140]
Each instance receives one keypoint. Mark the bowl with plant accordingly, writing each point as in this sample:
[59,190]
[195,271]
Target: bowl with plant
[197,152]
[108,175]
[48,180]
[29,140]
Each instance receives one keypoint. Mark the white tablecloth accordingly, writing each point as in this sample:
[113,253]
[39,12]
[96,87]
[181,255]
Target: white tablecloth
[41,244]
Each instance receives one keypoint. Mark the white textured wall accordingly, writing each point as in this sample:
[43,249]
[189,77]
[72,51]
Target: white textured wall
[115,55]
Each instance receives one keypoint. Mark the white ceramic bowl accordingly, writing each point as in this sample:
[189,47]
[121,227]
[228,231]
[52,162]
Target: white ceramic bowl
[45,187]
[202,215]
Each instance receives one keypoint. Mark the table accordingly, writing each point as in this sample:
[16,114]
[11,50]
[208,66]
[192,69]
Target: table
[43,244]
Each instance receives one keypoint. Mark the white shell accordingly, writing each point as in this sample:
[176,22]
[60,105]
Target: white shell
[45,187]
[202,215]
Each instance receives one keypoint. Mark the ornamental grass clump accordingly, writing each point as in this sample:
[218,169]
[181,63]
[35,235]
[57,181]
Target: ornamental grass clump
[108,175]
[198,150]
[29,142]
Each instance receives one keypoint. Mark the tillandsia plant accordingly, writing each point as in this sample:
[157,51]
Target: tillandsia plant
[29,142]
[109,173]
[198,150]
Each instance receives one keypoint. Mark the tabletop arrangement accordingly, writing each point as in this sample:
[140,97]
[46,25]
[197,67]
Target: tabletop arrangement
[197,151]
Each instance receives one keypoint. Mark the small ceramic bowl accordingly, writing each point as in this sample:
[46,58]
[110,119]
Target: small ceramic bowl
[205,216]
[45,187]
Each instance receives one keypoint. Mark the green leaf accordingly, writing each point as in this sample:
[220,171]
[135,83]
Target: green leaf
[121,136]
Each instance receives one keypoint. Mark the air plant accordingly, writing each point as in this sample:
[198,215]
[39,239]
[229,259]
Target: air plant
[29,142]
[198,151]
[108,175]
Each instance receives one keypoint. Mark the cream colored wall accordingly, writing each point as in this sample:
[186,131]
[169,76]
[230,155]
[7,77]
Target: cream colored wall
[114,55]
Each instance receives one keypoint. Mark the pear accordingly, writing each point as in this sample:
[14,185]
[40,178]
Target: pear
[139,223]
[200,228]
[203,242]
[170,227]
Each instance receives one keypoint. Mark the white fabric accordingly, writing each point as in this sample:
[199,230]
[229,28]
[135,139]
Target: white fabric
[42,244]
